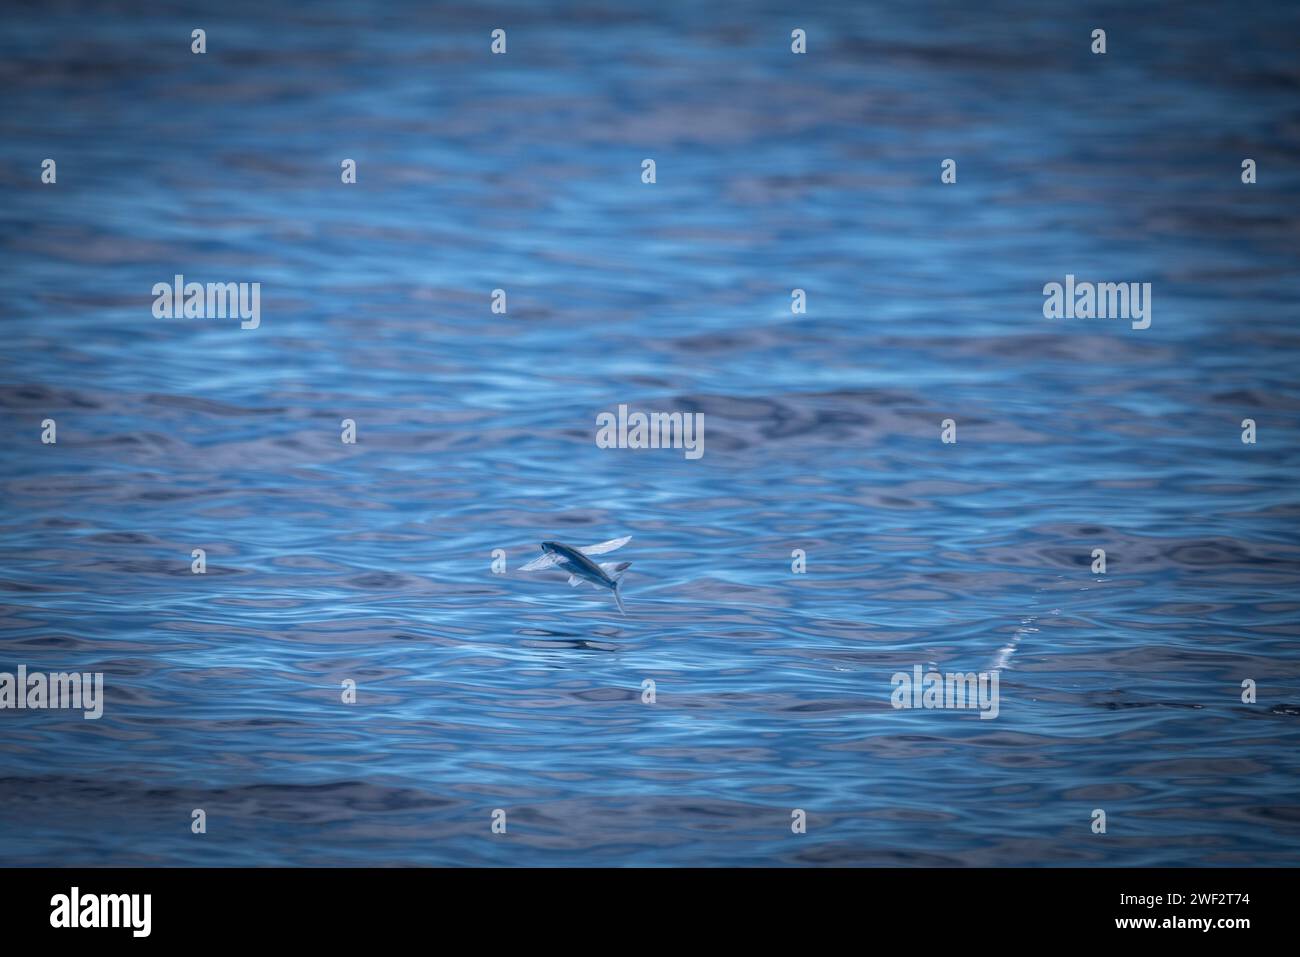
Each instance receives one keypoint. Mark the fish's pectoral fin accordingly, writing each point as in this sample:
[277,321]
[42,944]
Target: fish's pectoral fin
[604,547]
[545,560]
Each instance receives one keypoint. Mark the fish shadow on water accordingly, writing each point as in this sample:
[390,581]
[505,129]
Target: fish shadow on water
[563,639]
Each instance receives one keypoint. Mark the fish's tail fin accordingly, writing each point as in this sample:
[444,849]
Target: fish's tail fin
[615,571]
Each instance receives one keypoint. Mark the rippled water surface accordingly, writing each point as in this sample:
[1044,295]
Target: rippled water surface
[371,562]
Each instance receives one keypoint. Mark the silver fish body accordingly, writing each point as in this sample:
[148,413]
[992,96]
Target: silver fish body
[581,568]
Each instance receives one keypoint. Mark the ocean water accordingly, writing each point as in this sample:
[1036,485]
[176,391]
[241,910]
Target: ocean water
[372,562]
